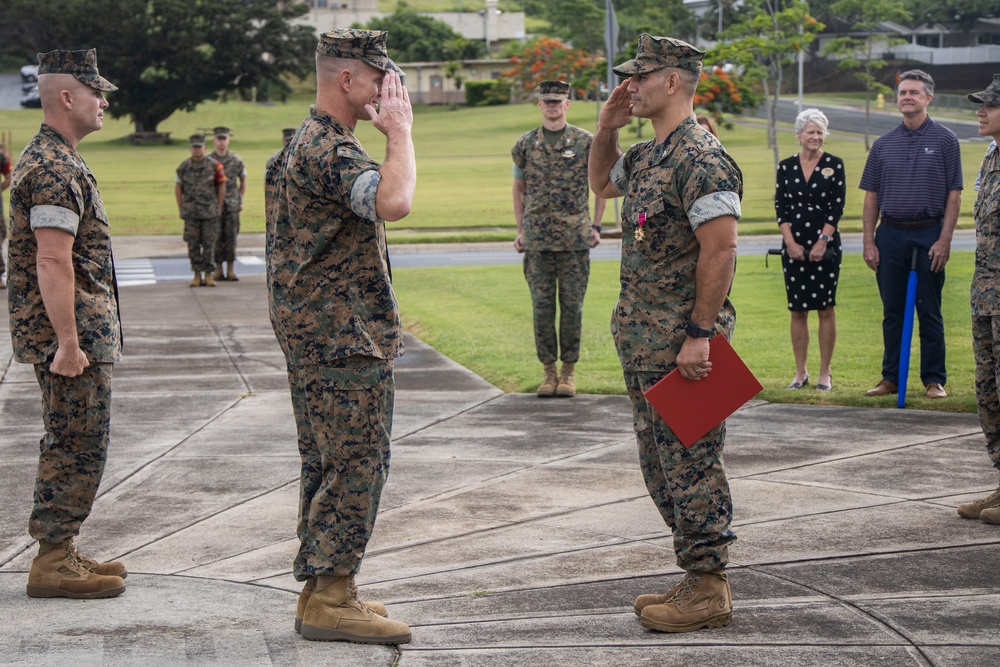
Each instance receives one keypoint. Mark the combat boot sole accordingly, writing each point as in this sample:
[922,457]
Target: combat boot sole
[324,634]
[719,620]
[35,591]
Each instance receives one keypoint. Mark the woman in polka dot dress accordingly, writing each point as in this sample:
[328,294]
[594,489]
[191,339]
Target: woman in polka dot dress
[809,202]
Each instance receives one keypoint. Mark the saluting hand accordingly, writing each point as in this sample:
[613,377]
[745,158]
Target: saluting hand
[394,111]
[617,111]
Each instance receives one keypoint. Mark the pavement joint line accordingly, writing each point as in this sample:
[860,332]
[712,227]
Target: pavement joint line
[215,514]
[837,459]
[447,418]
[862,555]
[874,615]
[218,335]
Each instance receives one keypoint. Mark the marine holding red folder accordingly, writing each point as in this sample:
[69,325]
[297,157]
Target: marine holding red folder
[682,200]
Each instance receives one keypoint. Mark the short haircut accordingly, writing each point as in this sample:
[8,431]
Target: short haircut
[688,79]
[807,116]
[918,75]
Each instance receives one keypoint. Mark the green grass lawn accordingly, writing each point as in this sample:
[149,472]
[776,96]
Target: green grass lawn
[463,162]
[481,317]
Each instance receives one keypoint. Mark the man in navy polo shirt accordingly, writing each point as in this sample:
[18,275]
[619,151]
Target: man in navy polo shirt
[913,182]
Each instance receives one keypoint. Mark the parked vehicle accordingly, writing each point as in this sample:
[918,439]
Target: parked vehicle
[32,100]
[29,73]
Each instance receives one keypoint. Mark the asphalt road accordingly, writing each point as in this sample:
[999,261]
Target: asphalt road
[10,91]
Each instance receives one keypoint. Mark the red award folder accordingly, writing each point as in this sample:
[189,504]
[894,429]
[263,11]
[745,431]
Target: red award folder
[692,408]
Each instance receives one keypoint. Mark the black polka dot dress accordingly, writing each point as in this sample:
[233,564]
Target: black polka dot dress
[809,204]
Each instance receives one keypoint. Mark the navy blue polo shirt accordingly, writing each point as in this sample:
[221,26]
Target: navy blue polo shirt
[912,171]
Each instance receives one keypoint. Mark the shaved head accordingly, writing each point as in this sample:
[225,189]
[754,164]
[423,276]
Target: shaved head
[328,67]
[50,85]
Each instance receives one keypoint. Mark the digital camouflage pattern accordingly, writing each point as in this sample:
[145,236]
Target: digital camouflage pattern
[80,64]
[76,413]
[235,170]
[229,226]
[567,272]
[688,486]
[51,173]
[365,45]
[553,90]
[329,290]
[655,53]
[686,180]
[985,291]
[986,303]
[199,181]
[5,168]
[556,195]
[343,413]
[665,181]
[201,236]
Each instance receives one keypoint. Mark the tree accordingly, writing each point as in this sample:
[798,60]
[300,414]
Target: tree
[169,55]
[720,92]
[963,12]
[858,54]
[415,37]
[763,44]
[547,58]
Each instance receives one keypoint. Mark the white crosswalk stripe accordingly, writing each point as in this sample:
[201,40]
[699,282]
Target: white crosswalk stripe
[134,272]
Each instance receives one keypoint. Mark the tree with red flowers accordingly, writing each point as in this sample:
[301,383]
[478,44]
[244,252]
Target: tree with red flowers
[547,58]
[721,92]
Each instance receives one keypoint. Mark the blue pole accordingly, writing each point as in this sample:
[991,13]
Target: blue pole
[904,348]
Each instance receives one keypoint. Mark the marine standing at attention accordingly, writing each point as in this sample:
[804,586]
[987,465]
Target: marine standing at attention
[555,233]
[335,316]
[63,300]
[682,200]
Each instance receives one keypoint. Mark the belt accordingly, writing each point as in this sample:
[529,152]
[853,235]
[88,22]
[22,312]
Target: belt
[909,224]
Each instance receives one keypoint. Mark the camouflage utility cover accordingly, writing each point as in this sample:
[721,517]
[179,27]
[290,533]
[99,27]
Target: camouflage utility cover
[687,179]
[79,64]
[328,279]
[199,180]
[556,217]
[51,174]
[986,211]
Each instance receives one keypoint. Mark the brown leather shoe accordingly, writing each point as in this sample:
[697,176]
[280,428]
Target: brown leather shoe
[883,388]
[935,390]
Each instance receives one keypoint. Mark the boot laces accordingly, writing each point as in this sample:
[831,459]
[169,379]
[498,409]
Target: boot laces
[687,587]
[74,559]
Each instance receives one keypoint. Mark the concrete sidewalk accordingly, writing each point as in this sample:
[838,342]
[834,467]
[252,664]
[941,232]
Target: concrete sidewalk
[513,531]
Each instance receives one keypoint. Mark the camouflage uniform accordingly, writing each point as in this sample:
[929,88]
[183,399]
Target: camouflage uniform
[985,291]
[53,187]
[200,209]
[4,169]
[335,316]
[678,184]
[229,225]
[557,236]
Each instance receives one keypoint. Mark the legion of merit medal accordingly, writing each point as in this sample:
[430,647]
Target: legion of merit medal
[640,233]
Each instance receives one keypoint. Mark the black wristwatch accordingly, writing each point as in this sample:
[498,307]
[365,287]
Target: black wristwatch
[695,331]
[825,237]
[596,228]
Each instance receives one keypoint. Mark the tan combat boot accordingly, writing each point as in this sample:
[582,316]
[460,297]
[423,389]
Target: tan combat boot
[310,588]
[547,388]
[990,515]
[110,569]
[57,573]
[972,510]
[649,599]
[703,601]
[333,613]
[231,271]
[197,280]
[218,273]
[566,387]
[209,281]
